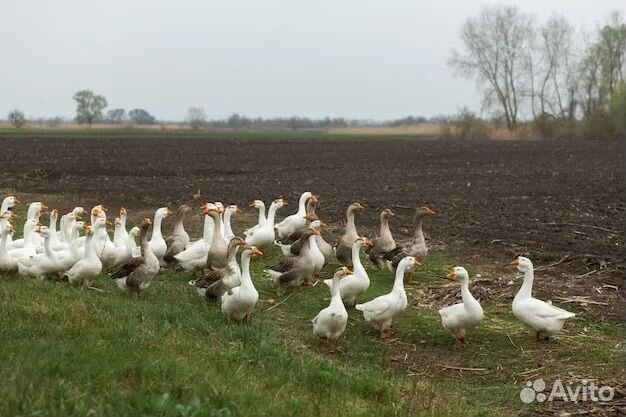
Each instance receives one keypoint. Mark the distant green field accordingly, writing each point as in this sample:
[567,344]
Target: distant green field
[77,352]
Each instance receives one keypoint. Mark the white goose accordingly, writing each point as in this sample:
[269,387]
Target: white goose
[296,221]
[544,319]
[128,249]
[86,270]
[262,235]
[228,230]
[351,286]
[381,311]
[120,235]
[29,247]
[195,256]
[6,207]
[44,263]
[462,316]
[35,210]
[157,243]
[238,303]
[259,205]
[7,262]
[68,257]
[330,323]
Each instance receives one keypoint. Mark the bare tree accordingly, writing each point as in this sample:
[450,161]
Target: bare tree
[497,46]
[17,118]
[196,117]
[553,71]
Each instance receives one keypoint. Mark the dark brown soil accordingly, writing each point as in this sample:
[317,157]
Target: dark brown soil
[553,200]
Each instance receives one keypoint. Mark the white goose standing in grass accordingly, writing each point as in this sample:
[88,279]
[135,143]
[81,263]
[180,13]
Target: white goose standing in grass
[35,210]
[129,249]
[352,286]
[29,247]
[296,221]
[157,244]
[43,264]
[543,319]
[238,303]
[120,235]
[7,207]
[7,262]
[86,270]
[194,258]
[462,316]
[69,256]
[136,275]
[259,205]
[330,323]
[381,311]
[262,235]
[228,230]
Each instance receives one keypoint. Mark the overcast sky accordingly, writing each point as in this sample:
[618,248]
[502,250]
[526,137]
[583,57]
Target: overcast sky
[354,58]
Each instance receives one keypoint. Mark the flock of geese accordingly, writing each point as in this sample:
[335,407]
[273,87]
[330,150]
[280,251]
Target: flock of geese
[64,254]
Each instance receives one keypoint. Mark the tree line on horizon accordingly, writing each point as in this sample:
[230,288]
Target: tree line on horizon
[562,79]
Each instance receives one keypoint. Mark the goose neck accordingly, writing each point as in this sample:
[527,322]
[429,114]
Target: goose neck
[527,286]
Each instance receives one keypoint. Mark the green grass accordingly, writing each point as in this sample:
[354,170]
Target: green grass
[72,351]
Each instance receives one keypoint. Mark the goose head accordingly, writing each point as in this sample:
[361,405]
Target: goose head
[356,207]
[458,273]
[257,204]
[233,209]
[342,272]
[163,212]
[118,223]
[54,215]
[363,242]
[424,211]
[42,230]
[279,202]
[183,210]
[317,225]
[523,264]
[79,211]
[79,226]
[145,225]
[254,251]
[409,262]
[88,230]
[6,229]
[386,213]
[219,206]
[123,211]
[99,223]
[8,215]
[11,201]
[134,231]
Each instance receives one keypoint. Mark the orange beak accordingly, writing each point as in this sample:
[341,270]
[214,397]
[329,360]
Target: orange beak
[168,212]
[122,211]
[451,275]
[368,242]
[515,261]
[314,199]
[252,205]
[316,232]
[429,211]
[256,251]
[17,201]
[285,203]
[322,224]
[346,270]
[237,210]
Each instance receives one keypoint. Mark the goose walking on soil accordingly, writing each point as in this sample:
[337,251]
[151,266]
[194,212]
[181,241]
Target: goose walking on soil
[541,317]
